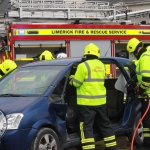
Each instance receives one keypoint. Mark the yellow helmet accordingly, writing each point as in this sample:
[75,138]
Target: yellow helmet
[92,49]
[132,44]
[46,55]
[8,65]
[148,48]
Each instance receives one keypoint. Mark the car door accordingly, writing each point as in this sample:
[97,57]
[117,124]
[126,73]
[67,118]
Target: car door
[57,105]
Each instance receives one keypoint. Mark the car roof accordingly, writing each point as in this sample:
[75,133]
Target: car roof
[67,61]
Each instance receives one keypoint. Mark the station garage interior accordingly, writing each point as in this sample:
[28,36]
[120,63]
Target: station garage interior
[34,51]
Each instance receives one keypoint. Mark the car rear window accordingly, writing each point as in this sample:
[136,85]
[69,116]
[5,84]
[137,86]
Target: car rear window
[29,80]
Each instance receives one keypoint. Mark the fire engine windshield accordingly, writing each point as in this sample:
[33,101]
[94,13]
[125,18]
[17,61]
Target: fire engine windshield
[29,80]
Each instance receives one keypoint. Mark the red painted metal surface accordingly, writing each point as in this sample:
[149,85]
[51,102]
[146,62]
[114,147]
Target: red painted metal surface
[77,26]
[80,37]
[68,48]
[113,67]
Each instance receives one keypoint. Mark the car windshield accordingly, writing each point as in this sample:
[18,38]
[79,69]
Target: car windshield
[29,80]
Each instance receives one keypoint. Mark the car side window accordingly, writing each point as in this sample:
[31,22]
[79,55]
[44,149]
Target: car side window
[59,90]
[130,71]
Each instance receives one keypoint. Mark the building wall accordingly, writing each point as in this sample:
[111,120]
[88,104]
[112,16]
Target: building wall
[139,7]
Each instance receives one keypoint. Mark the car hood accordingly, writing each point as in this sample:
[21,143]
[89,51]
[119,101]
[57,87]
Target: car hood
[15,104]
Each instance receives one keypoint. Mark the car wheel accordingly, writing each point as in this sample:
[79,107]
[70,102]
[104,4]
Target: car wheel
[46,139]
[139,137]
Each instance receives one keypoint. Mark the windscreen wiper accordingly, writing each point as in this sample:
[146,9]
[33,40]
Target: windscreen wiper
[11,95]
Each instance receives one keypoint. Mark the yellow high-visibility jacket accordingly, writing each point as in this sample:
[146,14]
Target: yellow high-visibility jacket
[89,82]
[143,71]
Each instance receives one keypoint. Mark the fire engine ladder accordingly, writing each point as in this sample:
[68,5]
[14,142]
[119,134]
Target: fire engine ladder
[68,10]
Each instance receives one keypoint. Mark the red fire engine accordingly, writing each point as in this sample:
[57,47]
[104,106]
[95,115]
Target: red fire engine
[28,40]
[79,24]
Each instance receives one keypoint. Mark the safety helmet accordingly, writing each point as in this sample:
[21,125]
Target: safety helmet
[8,65]
[148,48]
[92,49]
[46,55]
[61,55]
[132,44]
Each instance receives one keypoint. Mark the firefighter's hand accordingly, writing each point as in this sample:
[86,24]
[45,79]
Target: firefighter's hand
[136,88]
[70,78]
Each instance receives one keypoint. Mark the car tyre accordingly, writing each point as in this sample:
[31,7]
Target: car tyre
[45,139]
[139,137]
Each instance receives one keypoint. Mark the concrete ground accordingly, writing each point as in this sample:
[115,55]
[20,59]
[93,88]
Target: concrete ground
[122,144]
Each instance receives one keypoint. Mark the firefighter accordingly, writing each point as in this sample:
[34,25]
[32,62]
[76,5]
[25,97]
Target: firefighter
[135,47]
[148,48]
[91,99]
[46,55]
[6,67]
[61,55]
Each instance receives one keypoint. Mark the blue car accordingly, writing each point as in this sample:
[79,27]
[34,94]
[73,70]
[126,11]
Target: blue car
[41,110]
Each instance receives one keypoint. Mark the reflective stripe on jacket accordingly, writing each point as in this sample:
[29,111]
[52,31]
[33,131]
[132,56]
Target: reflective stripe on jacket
[143,71]
[89,80]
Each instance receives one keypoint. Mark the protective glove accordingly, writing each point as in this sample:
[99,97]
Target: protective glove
[70,78]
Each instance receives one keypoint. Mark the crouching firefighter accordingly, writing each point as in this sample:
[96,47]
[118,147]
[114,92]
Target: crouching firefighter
[135,47]
[6,67]
[91,99]
[46,55]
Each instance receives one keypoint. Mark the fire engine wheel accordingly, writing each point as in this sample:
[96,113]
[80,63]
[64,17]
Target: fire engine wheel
[139,138]
[46,139]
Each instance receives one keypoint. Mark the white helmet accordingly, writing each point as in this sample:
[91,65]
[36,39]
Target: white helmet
[61,55]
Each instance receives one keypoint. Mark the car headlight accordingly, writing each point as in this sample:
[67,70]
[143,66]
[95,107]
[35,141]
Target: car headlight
[13,120]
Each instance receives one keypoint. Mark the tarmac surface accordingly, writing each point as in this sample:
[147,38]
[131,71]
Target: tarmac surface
[122,144]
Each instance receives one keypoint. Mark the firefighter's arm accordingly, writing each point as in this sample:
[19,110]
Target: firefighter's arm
[79,76]
[145,72]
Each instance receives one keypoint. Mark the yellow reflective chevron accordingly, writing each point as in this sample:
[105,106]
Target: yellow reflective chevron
[111,144]
[145,83]
[109,138]
[88,140]
[110,141]
[81,130]
[89,147]
[146,132]
[87,143]
[146,129]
